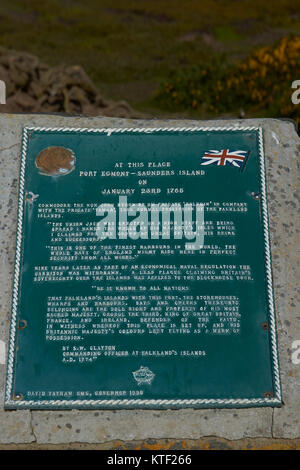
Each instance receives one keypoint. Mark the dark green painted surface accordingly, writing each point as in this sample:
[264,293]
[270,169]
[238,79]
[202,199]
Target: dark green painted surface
[236,366]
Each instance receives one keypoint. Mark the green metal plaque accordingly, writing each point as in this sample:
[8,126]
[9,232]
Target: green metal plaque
[143,271]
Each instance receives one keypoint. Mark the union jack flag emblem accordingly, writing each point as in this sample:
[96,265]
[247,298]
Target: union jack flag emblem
[224,157]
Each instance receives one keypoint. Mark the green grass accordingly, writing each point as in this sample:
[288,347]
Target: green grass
[144,41]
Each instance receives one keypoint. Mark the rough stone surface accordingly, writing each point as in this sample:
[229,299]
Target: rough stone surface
[32,86]
[282,149]
[204,443]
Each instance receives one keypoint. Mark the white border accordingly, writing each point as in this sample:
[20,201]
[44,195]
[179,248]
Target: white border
[276,400]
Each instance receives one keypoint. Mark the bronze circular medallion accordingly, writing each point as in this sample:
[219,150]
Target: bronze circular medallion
[55,161]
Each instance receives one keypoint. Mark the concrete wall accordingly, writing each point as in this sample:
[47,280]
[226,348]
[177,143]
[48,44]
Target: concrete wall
[186,428]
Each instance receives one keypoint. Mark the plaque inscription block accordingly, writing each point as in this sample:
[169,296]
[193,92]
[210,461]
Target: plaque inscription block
[143,271]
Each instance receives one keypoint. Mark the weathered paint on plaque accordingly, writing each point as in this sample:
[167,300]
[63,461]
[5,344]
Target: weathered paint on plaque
[143,271]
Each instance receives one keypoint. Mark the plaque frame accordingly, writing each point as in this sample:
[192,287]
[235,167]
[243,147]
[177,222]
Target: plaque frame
[17,402]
